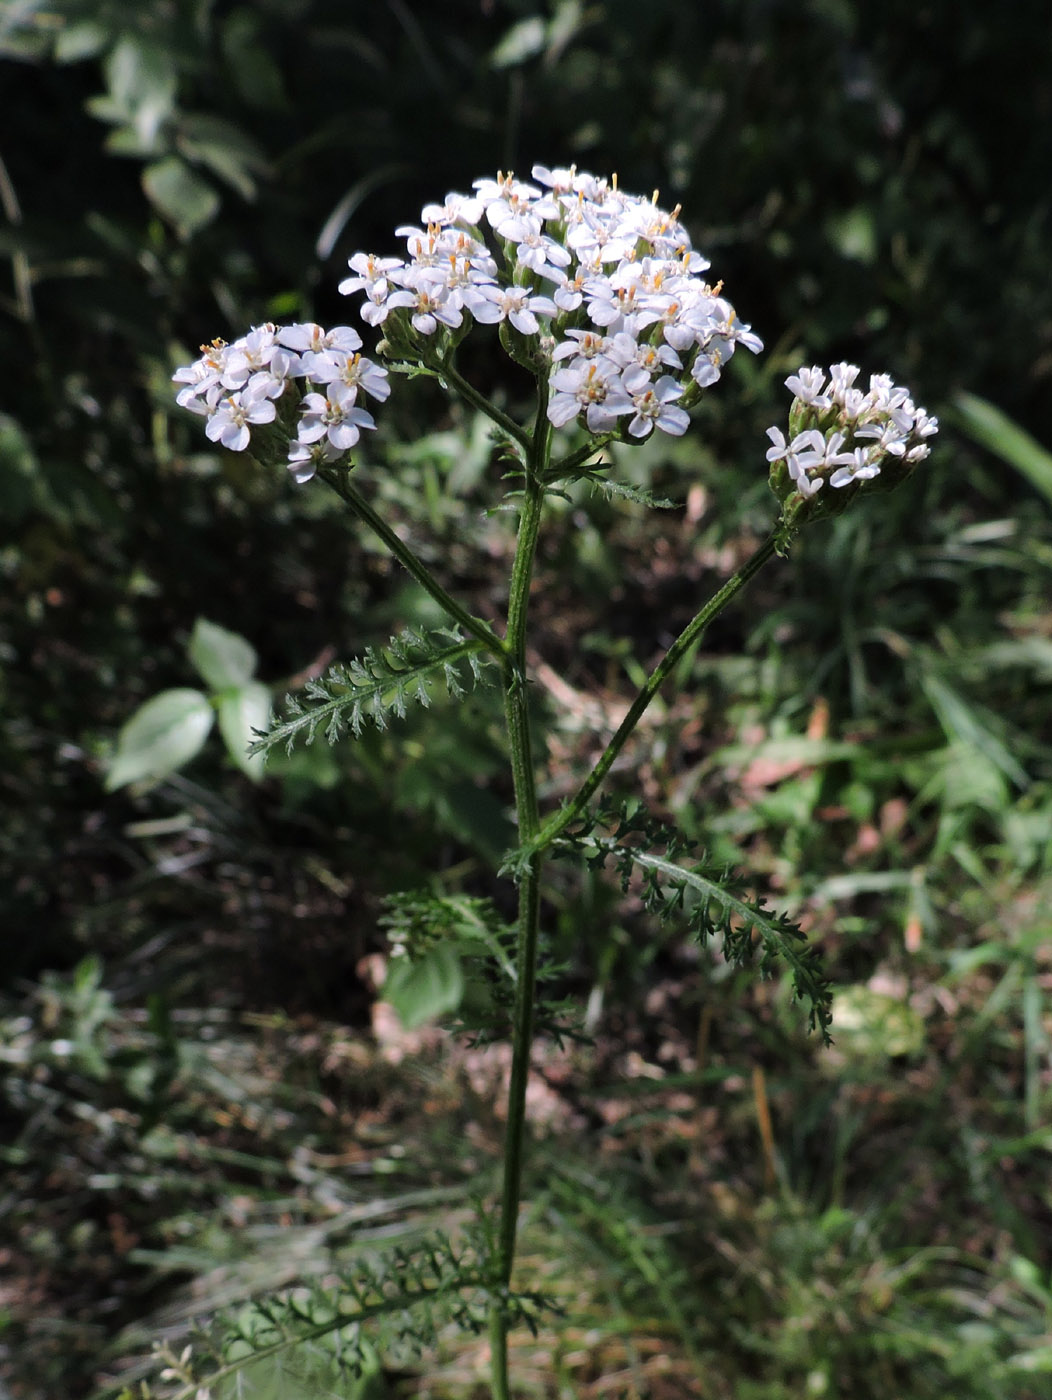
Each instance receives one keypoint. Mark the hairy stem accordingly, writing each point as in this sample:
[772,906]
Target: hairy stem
[340,482]
[516,708]
[574,464]
[467,391]
[686,639]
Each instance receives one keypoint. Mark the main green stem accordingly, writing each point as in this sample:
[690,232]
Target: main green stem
[340,482]
[517,717]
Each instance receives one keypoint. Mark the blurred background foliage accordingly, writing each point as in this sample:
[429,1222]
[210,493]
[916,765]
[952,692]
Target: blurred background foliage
[184,984]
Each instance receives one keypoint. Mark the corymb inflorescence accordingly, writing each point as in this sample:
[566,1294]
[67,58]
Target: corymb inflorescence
[598,292]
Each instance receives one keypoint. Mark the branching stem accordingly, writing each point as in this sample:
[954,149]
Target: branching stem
[467,391]
[341,483]
[686,639]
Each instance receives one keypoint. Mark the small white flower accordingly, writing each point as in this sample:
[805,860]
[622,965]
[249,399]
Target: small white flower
[373,276]
[595,236]
[333,416]
[375,308]
[230,419]
[860,464]
[679,322]
[841,378]
[561,181]
[855,406]
[781,448]
[625,351]
[306,457]
[251,353]
[612,307]
[490,304]
[887,435]
[581,345]
[270,382]
[814,453]
[426,247]
[201,400]
[372,377]
[430,305]
[569,293]
[807,385]
[305,336]
[202,376]
[507,199]
[585,388]
[458,208]
[539,252]
[655,405]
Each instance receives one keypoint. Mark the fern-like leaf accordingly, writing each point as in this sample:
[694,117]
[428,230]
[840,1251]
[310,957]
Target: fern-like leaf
[381,683]
[418,922]
[396,1302]
[711,899]
[640,495]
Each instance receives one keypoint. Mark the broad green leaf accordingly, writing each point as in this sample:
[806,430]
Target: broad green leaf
[221,658]
[994,430]
[185,199]
[142,87]
[87,975]
[970,778]
[523,41]
[243,712]
[569,19]
[425,988]
[160,737]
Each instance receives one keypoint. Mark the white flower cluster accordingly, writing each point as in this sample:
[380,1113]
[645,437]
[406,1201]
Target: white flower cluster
[604,284]
[597,291]
[237,386]
[840,434]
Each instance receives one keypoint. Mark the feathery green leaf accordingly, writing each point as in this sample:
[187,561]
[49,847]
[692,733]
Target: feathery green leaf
[712,900]
[406,1296]
[383,682]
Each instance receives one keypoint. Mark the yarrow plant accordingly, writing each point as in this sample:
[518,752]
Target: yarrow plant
[601,297]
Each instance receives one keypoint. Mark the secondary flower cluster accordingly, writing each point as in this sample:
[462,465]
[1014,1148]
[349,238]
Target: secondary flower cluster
[598,292]
[238,387]
[844,436]
[602,288]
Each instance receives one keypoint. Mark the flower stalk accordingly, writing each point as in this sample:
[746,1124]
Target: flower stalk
[339,480]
